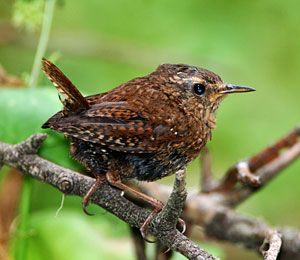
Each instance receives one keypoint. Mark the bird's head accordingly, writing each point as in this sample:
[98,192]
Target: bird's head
[197,85]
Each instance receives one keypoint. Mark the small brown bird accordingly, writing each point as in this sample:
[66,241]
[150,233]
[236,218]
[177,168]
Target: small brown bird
[145,129]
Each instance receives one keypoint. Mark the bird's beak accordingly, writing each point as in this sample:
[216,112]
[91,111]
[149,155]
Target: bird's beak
[229,88]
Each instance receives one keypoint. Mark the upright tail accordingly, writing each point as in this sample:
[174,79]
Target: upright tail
[72,99]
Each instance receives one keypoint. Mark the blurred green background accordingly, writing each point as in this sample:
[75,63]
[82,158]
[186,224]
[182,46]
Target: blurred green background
[100,44]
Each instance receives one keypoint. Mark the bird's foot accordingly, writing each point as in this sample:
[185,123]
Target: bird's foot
[87,196]
[114,179]
[145,227]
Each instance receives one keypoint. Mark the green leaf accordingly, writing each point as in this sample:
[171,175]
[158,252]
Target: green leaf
[72,236]
[28,14]
[23,111]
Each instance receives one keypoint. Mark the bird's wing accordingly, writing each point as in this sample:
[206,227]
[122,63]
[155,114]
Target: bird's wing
[118,126]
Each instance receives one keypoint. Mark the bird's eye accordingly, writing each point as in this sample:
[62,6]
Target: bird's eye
[199,89]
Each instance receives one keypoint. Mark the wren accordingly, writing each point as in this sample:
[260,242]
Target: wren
[145,129]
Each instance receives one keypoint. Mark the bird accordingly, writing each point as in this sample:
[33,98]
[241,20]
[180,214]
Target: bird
[145,129]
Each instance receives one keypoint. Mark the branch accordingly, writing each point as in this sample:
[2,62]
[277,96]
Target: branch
[22,156]
[212,208]
[256,171]
[220,222]
[138,243]
[207,182]
[271,246]
[170,214]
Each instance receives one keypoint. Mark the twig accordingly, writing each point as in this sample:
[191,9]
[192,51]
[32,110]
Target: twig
[207,182]
[270,170]
[218,221]
[252,233]
[264,174]
[259,160]
[255,172]
[73,183]
[271,246]
[138,243]
[43,41]
[21,243]
[168,217]
[162,253]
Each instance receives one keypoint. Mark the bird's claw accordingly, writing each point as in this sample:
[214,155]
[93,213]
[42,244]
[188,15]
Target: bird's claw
[87,196]
[144,228]
[182,225]
[145,236]
[85,204]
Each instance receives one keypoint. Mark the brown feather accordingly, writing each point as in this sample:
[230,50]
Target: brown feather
[73,100]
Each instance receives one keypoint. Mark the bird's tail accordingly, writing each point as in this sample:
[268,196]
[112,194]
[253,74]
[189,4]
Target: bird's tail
[71,98]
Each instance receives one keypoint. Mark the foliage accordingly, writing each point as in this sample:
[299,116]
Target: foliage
[28,14]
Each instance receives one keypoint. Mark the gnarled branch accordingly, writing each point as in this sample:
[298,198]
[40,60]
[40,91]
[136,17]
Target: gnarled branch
[23,157]
[212,209]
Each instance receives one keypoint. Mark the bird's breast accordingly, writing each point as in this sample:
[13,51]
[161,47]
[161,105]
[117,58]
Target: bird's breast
[195,130]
